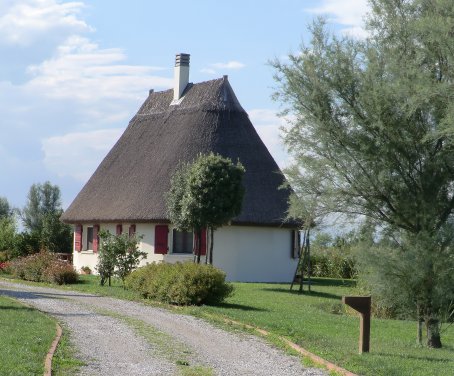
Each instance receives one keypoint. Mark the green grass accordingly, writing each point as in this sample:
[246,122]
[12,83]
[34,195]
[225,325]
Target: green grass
[318,322]
[25,337]
[64,362]
[309,321]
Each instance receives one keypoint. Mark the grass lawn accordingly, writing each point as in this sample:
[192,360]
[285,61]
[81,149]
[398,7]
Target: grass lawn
[309,321]
[318,323]
[25,337]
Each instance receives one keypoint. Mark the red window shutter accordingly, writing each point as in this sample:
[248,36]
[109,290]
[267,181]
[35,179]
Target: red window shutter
[95,238]
[78,238]
[161,239]
[203,242]
[132,230]
[119,229]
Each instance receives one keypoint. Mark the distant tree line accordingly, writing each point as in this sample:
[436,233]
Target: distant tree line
[40,218]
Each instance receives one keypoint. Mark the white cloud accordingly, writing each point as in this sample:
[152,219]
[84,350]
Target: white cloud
[81,70]
[23,22]
[268,124]
[208,70]
[230,65]
[78,154]
[346,13]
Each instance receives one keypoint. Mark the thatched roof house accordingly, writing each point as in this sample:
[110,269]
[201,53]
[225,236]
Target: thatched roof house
[170,127]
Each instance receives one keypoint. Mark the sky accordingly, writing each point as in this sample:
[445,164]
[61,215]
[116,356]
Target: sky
[73,73]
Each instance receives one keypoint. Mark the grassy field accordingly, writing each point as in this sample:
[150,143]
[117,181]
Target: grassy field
[314,322]
[318,322]
[25,338]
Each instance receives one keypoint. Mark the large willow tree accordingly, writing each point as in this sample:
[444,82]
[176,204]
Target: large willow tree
[373,135]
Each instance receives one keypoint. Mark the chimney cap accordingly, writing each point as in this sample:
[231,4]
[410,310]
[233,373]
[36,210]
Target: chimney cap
[182,59]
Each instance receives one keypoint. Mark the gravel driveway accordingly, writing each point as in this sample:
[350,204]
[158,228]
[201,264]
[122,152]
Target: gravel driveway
[117,337]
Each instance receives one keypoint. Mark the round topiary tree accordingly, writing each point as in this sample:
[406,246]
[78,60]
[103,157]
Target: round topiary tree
[207,193]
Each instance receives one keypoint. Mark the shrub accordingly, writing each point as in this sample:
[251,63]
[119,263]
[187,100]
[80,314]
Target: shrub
[60,272]
[43,266]
[85,269]
[333,264]
[3,256]
[180,283]
[32,267]
[5,267]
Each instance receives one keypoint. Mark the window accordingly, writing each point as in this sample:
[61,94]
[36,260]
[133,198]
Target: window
[89,238]
[182,242]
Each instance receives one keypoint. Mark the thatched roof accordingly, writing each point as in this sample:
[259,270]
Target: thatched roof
[130,183]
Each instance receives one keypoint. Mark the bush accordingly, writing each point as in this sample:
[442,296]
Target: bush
[31,268]
[181,283]
[5,267]
[3,256]
[85,269]
[334,265]
[60,272]
[43,266]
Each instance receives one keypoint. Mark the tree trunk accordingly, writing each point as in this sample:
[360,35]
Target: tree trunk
[211,245]
[308,259]
[433,333]
[198,244]
[419,321]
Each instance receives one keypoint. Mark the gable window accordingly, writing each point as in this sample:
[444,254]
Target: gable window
[89,238]
[182,242]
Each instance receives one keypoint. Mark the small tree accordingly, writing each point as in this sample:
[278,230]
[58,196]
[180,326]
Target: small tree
[118,255]
[205,194]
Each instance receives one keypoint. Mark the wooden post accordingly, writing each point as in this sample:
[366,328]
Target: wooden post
[362,304]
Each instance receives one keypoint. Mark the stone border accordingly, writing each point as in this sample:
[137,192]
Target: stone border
[315,358]
[50,353]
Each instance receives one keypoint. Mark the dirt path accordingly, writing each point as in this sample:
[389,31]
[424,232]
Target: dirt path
[116,337]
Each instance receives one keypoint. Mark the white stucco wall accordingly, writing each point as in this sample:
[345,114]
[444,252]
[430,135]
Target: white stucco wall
[245,253]
[89,258]
[254,254]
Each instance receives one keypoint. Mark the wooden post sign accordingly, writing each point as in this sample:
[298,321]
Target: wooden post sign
[362,305]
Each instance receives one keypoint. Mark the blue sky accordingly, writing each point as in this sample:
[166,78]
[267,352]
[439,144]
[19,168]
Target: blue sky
[73,73]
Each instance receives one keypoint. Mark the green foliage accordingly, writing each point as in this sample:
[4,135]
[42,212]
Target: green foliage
[43,267]
[61,273]
[86,269]
[333,264]
[56,236]
[7,233]
[43,199]
[25,244]
[205,194]
[41,219]
[5,209]
[397,276]
[373,133]
[180,283]
[118,255]
[31,268]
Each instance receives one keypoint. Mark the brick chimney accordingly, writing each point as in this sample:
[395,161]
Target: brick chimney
[181,73]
